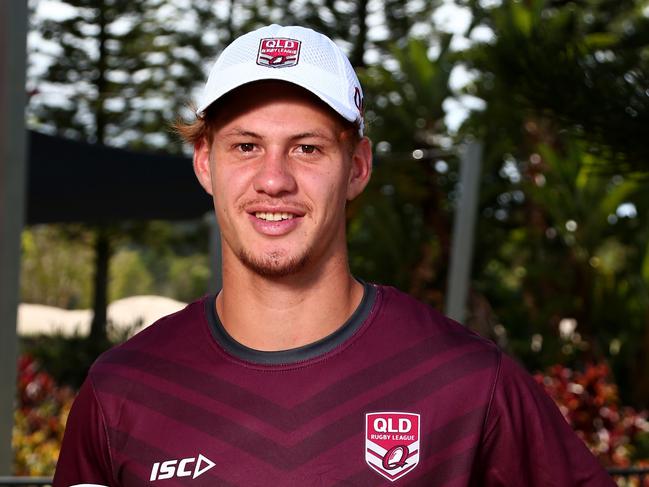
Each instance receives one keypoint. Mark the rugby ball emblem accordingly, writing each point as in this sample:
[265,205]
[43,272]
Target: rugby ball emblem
[392,443]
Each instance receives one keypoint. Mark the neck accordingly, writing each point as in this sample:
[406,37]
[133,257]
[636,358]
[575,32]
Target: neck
[273,314]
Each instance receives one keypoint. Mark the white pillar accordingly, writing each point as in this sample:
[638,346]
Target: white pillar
[463,231]
[13,35]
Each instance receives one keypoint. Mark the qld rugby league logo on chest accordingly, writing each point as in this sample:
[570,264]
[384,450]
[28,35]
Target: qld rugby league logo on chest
[392,443]
[278,52]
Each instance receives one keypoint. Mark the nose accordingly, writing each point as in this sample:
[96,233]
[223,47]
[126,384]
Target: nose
[274,176]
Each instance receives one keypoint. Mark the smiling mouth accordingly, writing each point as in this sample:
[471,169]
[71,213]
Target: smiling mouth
[274,217]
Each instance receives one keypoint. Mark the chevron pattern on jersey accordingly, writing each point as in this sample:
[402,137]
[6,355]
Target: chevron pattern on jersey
[295,424]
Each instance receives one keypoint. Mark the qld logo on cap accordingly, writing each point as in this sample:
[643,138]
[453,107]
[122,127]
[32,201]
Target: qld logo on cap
[392,443]
[278,52]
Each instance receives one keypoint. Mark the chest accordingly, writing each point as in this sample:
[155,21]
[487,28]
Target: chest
[284,433]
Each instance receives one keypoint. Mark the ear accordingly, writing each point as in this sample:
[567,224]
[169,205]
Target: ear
[361,169]
[202,167]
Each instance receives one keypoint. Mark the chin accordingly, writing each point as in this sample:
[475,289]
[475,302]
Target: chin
[275,264]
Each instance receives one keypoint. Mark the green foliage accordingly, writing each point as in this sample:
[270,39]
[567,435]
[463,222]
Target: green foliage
[162,258]
[176,258]
[385,236]
[399,230]
[189,277]
[405,101]
[129,275]
[584,66]
[68,359]
[564,227]
[568,252]
[56,266]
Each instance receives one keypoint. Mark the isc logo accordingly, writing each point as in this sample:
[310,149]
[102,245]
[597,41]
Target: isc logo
[185,467]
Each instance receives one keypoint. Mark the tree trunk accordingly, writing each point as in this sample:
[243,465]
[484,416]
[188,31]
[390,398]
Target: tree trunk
[358,50]
[98,332]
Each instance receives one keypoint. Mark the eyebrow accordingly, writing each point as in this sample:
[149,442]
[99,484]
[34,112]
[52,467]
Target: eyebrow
[314,134]
[302,135]
[240,132]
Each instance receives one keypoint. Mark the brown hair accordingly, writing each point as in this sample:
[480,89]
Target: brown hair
[201,128]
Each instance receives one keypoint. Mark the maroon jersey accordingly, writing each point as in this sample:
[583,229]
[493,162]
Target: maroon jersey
[398,395]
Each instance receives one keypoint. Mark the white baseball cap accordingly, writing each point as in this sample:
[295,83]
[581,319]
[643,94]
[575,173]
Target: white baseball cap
[294,54]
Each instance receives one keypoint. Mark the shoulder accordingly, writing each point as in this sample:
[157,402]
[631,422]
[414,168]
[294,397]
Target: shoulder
[414,318]
[528,442]
[412,335]
[168,337]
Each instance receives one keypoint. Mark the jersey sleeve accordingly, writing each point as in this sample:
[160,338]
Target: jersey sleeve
[85,456]
[528,442]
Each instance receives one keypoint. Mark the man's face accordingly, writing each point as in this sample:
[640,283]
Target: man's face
[280,172]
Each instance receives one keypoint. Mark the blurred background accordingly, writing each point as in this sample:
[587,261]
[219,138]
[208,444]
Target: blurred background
[556,93]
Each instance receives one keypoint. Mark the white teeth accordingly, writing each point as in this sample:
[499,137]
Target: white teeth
[273,217]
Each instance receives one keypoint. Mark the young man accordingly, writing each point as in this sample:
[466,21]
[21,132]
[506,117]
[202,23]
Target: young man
[296,373]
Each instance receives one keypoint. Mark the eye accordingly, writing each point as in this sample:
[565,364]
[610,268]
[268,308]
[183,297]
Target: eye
[246,147]
[308,149]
